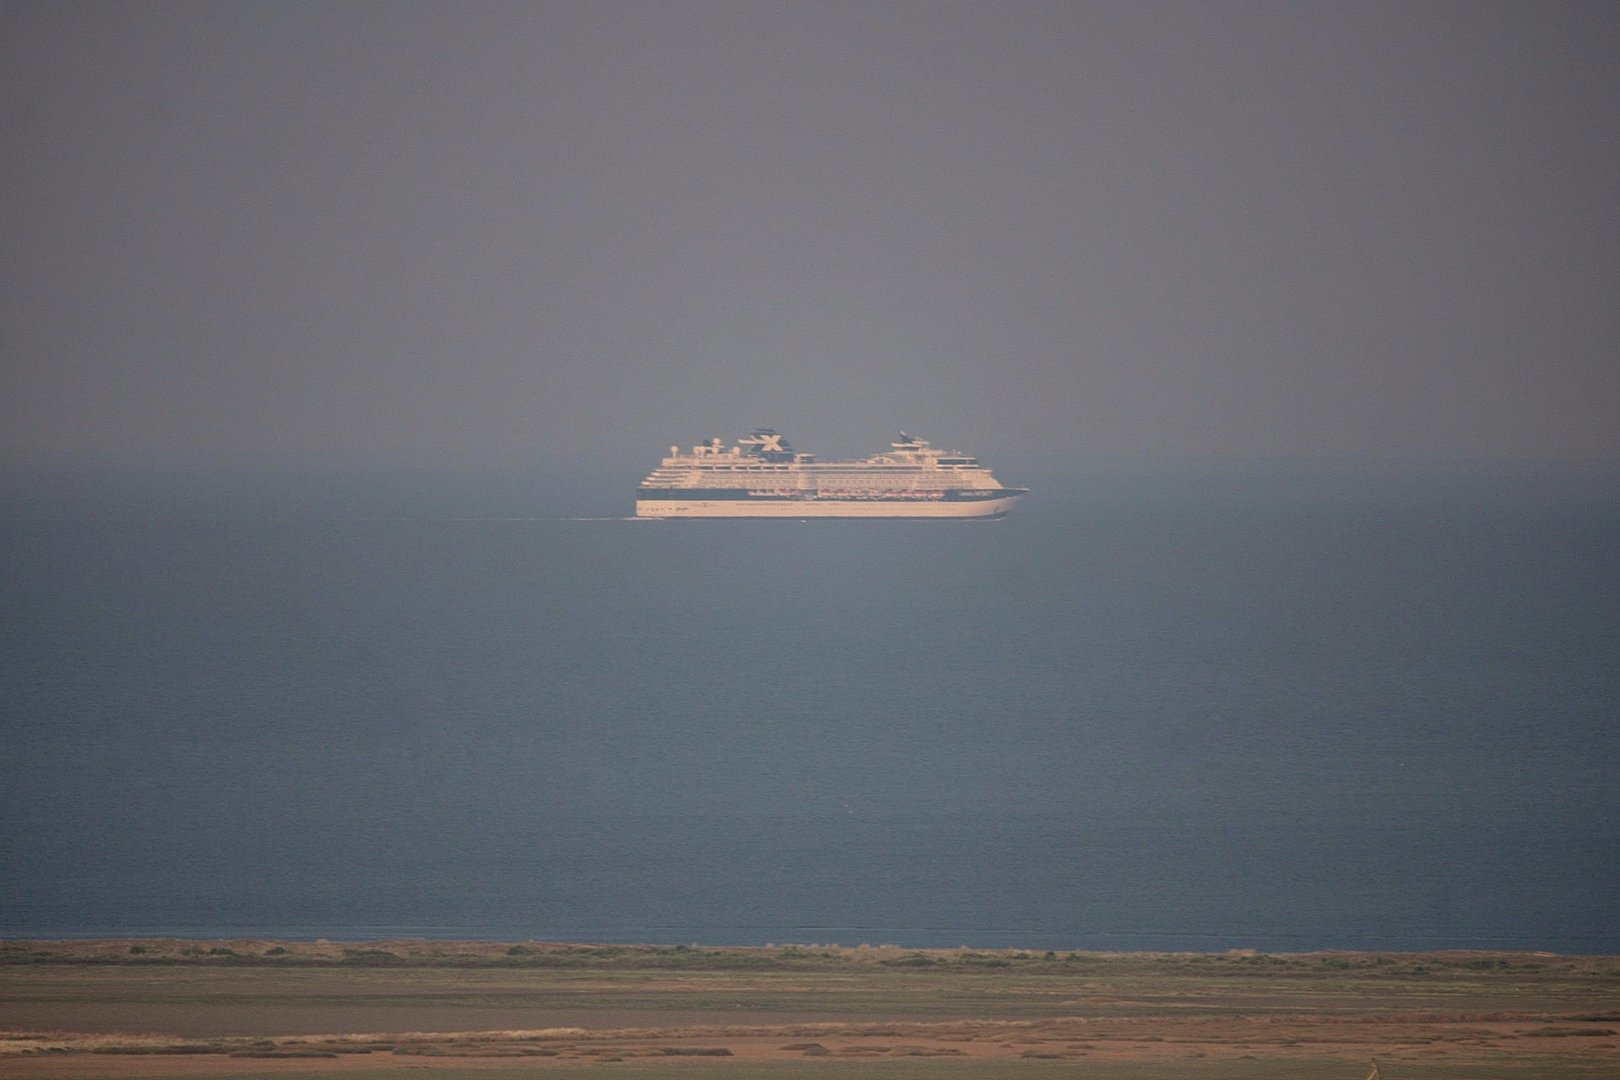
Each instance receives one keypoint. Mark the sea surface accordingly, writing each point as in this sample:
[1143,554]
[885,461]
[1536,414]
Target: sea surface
[1155,708]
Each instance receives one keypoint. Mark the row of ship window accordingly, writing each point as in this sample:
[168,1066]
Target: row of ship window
[822,472]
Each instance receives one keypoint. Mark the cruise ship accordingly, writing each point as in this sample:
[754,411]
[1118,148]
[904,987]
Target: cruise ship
[763,477]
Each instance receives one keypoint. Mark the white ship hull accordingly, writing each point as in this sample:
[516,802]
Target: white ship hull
[822,508]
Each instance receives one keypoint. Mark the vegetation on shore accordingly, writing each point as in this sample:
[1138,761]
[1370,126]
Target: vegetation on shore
[149,1008]
[421,953]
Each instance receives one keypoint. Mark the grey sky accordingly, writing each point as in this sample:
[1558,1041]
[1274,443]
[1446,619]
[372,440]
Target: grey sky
[556,229]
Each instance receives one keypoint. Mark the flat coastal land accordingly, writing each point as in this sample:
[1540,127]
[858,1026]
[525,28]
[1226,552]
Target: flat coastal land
[153,1008]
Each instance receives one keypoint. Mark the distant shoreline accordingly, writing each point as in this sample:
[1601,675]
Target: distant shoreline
[433,952]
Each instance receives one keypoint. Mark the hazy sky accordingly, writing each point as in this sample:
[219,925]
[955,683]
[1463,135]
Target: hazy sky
[1203,228]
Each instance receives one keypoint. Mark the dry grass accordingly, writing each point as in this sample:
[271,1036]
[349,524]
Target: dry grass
[179,1009]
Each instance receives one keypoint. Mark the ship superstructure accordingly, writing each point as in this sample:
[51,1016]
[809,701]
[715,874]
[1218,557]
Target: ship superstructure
[762,476]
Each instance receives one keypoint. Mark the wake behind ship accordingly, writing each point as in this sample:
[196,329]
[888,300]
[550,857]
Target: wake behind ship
[762,476]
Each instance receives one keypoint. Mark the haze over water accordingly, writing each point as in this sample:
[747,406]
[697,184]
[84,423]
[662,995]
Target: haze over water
[1151,709]
[321,322]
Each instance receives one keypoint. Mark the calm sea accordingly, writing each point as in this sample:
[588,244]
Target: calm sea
[1152,709]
